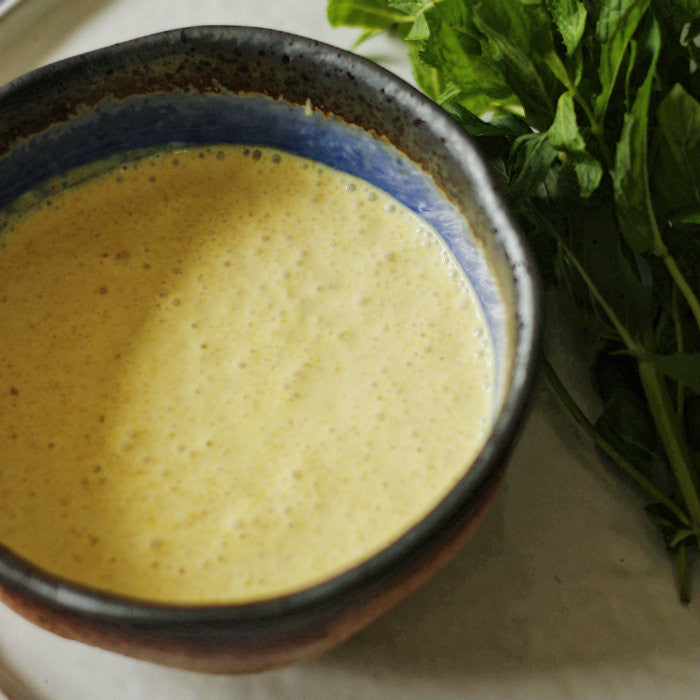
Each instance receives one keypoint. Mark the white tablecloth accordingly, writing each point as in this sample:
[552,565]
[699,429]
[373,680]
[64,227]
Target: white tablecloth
[565,591]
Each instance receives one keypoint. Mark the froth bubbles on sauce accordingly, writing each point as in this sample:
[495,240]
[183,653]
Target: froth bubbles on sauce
[228,373]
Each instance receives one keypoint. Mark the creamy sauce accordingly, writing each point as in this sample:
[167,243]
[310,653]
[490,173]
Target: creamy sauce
[227,374]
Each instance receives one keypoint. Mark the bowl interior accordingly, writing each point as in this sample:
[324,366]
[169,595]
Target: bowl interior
[122,128]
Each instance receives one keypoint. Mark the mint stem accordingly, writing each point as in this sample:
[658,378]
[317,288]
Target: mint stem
[672,437]
[624,464]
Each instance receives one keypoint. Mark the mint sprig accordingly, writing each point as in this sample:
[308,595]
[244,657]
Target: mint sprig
[589,114]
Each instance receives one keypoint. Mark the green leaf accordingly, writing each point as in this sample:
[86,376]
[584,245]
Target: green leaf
[676,147]
[450,92]
[452,56]
[625,420]
[410,7]
[368,14]
[617,23]
[366,36]
[565,135]
[419,30]
[686,217]
[630,178]
[507,127]
[428,77]
[531,158]
[589,173]
[458,13]
[626,423]
[560,70]
[494,137]
[681,367]
[570,19]
[416,9]
[519,40]
[595,241]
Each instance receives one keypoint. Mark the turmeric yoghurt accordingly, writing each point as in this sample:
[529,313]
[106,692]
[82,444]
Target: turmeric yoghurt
[229,373]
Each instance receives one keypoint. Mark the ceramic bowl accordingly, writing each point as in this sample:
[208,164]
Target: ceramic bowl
[205,85]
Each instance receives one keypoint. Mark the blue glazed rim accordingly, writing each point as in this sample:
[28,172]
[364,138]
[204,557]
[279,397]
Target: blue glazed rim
[241,60]
[118,129]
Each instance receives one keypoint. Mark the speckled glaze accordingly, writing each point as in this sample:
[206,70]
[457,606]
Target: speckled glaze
[202,85]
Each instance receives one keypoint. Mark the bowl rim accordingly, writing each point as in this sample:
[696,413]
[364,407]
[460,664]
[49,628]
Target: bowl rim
[367,577]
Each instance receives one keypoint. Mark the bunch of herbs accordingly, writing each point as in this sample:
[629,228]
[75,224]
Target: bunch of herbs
[588,113]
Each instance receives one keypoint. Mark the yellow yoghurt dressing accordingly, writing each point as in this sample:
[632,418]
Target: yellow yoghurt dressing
[229,373]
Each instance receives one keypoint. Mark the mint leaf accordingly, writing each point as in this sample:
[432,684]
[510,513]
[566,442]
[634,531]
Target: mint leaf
[617,23]
[630,175]
[532,156]
[370,14]
[676,181]
[366,36]
[419,29]
[626,423]
[570,19]
[519,39]
[452,57]
[565,135]
[595,241]
[411,7]
[505,127]
[681,367]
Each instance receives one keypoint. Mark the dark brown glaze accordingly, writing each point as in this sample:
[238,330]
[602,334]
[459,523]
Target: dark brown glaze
[161,646]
